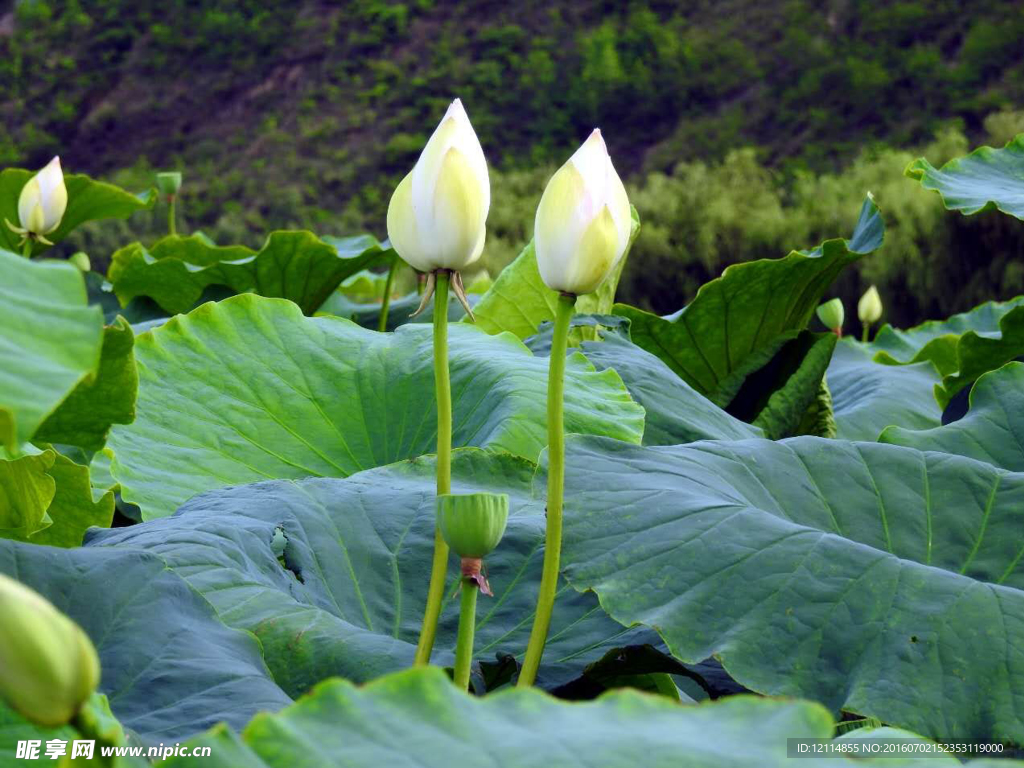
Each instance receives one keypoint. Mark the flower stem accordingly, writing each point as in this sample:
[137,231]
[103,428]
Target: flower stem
[442,384]
[467,626]
[171,225]
[865,334]
[556,483]
[389,284]
[26,250]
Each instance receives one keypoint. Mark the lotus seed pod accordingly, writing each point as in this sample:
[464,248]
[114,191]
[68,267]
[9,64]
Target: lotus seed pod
[869,308]
[48,665]
[472,523]
[168,182]
[831,314]
[81,260]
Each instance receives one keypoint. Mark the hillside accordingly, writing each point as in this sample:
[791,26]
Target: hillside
[307,113]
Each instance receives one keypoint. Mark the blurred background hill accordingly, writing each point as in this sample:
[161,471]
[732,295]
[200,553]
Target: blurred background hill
[744,128]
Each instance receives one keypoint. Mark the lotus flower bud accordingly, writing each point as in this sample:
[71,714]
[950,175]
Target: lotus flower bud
[438,213]
[81,260]
[869,308]
[168,182]
[583,221]
[472,523]
[42,203]
[831,314]
[48,665]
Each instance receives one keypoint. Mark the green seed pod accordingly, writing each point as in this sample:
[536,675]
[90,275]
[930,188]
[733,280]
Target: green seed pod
[48,665]
[168,182]
[831,314]
[472,523]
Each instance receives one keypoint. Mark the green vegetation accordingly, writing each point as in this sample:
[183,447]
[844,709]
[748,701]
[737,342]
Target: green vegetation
[289,115]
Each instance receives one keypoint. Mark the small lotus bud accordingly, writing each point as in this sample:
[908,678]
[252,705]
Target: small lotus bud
[81,260]
[168,182]
[42,203]
[583,221]
[48,665]
[438,213]
[831,314]
[472,523]
[869,308]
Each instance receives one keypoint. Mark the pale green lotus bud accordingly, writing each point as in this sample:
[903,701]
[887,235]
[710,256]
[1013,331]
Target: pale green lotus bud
[583,221]
[81,260]
[472,523]
[42,203]
[48,665]
[438,214]
[869,308]
[831,314]
[168,182]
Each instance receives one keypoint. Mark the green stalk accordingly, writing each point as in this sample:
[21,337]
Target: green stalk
[439,569]
[556,484]
[467,626]
[26,249]
[388,286]
[865,334]
[171,226]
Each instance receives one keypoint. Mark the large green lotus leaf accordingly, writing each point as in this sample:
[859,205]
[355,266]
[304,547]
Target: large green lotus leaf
[26,491]
[868,397]
[675,412]
[88,200]
[331,574]
[75,507]
[46,498]
[985,179]
[873,578]
[85,417]
[418,718]
[778,396]
[992,431]
[248,389]
[737,322]
[936,340]
[51,341]
[519,301]
[292,265]
[170,667]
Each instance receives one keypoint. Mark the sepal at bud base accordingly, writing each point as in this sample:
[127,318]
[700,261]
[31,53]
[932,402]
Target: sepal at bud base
[168,182]
[48,665]
[869,308]
[832,315]
[472,524]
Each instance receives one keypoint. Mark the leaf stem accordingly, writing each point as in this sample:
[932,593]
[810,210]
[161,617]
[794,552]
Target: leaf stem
[556,483]
[389,284]
[171,224]
[442,384]
[467,627]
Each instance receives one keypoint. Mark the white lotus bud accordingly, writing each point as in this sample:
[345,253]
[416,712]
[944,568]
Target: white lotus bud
[869,308]
[43,201]
[583,221]
[48,665]
[438,213]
